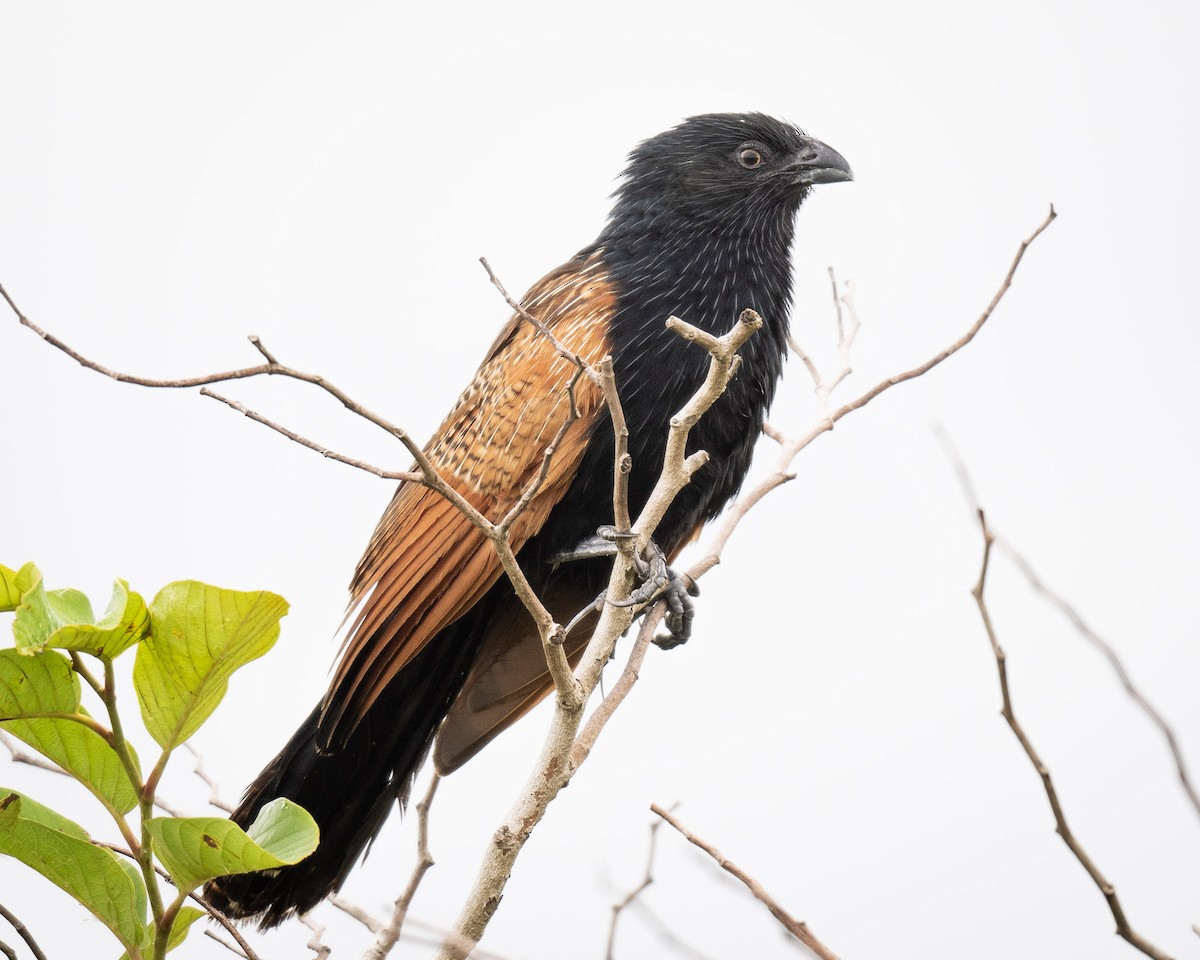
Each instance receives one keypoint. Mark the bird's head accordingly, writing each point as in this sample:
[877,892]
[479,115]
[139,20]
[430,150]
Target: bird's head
[722,166]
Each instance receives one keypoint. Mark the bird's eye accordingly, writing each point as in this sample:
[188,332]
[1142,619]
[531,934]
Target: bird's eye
[749,158]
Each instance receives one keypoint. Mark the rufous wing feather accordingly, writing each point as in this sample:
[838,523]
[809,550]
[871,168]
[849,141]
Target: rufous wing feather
[427,564]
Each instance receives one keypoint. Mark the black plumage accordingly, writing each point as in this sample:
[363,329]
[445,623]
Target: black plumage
[702,229]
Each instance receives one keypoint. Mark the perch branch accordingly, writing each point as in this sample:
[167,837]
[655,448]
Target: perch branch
[554,769]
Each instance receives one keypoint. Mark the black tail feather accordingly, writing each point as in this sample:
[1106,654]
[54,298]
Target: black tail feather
[349,788]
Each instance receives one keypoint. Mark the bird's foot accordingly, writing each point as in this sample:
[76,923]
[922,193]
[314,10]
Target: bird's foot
[656,578]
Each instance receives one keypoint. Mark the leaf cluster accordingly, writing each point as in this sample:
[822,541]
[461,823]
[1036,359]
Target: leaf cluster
[188,641]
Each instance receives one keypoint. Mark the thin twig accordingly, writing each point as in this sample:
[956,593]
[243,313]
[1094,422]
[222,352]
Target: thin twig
[1124,930]
[554,768]
[386,938]
[315,944]
[1114,661]
[351,909]
[666,934]
[231,947]
[524,314]
[629,676]
[428,475]
[214,796]
[622,461]
[20,755]
[408,475]
[1067,610]
[8,951]
[793,926]
[625,901]
[781,473]
[23,932]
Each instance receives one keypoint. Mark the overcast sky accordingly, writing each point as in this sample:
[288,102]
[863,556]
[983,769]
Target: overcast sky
[177,176]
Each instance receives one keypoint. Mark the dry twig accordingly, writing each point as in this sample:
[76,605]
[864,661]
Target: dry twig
[625,901]
[1073,615]
[386,937]
[315,942]
[23,932]
[1114,661]
[1124,930]
[214,796]
[795,927]
[20,755]
[791,447]
[554,767]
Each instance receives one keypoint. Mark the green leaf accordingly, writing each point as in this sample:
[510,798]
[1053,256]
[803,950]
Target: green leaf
[84,754]
[10,809]
[125,622]
[14,584]
[199,636]
[64,618]
[26,808]
[42,683]
[194,850]
[43,611]
[59,850]
[45,683]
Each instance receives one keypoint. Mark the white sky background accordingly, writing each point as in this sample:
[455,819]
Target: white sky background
[175,177]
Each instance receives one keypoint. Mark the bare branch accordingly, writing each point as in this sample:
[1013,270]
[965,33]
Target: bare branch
[315,943]
[537,324]
[365,917]
[622,461]
[790,449]
[245,411]
[386,938]
[20,755]
[1124,930]
[231,947]
[554,769]
[8,951]
[793,926]
[23,932]
[1114,661]
[629,676]
[1073,615]
[214,796]
[647,879]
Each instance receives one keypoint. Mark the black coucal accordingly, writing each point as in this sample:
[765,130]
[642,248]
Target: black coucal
[438,645]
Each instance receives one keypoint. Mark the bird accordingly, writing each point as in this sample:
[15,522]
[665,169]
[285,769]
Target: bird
[439,654]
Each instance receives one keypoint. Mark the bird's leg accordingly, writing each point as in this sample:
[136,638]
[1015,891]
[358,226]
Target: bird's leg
[603,544]
[656,578]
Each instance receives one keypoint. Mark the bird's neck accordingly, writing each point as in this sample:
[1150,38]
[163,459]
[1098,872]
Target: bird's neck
[705,272]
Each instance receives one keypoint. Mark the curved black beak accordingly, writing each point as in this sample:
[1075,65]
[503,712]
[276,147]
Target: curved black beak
[817,162]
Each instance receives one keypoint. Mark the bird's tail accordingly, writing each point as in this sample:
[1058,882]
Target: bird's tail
[348,787]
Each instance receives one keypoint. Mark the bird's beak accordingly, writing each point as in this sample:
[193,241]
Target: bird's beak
[817,162]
